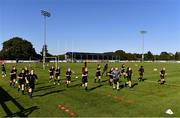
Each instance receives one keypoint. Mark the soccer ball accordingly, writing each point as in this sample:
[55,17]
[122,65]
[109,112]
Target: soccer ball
[76,77]
[155,69]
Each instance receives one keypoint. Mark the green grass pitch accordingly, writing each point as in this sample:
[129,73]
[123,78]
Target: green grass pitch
[144,100]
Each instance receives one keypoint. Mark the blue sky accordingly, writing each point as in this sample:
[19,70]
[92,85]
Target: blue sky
[94,25]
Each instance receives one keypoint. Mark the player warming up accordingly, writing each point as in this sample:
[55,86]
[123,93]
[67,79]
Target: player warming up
[21,81]
[123,72]
[141,73]
[85,78]
[68,77]
[129,77]
[162,76]
[105,70]
[116,76]
[3,70]
[98,74]
[51,74]
[110,73]
[57,73]
[31,82]
[13,76]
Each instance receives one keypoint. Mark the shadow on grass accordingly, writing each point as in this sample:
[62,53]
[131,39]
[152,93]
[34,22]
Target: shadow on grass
[71,86]
[44,88]
[144,79]
[5,97]
[91,89]
[39,83]
[134,85]
[104,80]
[48,93]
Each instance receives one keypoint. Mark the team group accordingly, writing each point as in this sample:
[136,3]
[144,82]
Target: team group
[26,79]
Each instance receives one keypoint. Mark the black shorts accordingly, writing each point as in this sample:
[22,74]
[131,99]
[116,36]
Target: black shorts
[51,74]
[129,78]
[84,80]
[68,78]
[32,86]
[115,81]
[162,76]
[98,74]
[141,74]
[57,75]
[122,71]
[12,78]
[21,82]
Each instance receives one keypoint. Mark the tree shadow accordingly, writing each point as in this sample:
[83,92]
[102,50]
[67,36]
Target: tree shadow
[48,93]
[5,97]
[93,88]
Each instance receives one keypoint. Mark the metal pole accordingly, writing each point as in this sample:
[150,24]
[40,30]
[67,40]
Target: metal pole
[143,47]
[45,14]
[143,32]
[44,50]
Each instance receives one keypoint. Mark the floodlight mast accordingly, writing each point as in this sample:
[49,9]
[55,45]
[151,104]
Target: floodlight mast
[45,14]
[143,32]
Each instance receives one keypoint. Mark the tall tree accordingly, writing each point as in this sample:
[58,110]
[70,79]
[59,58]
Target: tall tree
[122,54]
[149,56]
[18,48]
[165,56]
[177,56]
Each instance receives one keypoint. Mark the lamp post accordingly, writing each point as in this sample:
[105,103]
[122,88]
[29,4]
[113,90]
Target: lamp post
[45,14]
[143,32]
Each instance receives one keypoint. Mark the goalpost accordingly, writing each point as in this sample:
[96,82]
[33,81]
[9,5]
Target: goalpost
[55,60]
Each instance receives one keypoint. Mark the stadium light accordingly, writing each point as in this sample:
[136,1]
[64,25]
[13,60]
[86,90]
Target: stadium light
[143,32]
[45,14]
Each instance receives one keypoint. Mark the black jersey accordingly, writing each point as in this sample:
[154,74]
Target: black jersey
[3,68]
[129,73]
[85,74]
[21,78]
[122,68]
[51,71]
[162,73]
[68,74]
[85,77]
[31,78]
[26,72]
[57,72]
[13,73]
[98,69]
[141,70]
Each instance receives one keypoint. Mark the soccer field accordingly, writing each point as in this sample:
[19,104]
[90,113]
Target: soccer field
[145,99]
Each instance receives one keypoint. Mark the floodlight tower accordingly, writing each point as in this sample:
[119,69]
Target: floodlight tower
[45,14]
[143,32]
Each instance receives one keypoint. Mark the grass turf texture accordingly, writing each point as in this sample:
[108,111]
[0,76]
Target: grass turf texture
[145,99]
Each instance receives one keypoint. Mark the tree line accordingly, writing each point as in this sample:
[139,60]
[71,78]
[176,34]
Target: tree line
[148,56]
[19,48]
